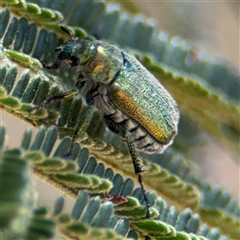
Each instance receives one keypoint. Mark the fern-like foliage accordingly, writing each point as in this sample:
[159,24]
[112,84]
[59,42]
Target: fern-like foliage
[183,206]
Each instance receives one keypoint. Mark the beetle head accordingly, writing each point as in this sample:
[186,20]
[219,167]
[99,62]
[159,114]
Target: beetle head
[75,52]
[66,54]
[72,52]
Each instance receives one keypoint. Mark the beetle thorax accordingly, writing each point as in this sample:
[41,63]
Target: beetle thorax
[103,65]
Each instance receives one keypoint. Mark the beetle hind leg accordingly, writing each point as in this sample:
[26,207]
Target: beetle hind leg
[136,160]
[138,167]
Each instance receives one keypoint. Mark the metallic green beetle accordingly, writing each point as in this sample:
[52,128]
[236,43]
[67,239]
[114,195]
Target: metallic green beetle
[133,102]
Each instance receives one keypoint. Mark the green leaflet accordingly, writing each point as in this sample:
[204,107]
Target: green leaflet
[61,172]
[224,220]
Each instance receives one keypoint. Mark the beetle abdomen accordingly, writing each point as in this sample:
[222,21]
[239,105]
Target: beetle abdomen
[143,141]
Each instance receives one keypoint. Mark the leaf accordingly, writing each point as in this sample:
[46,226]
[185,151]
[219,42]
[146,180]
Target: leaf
[227,223]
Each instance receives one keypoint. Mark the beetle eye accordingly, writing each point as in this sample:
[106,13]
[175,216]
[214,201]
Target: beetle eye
[75,61]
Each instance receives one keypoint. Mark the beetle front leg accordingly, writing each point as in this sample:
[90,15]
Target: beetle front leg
[56,98]
[61,96]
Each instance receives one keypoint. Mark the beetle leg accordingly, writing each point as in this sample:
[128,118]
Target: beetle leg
[56,98]
[138,167]
[83,121]
[148,214]
[136,160]
[61,96]
[65,95]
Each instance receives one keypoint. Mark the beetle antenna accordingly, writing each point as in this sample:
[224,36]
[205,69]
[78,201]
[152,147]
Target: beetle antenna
[66,30]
